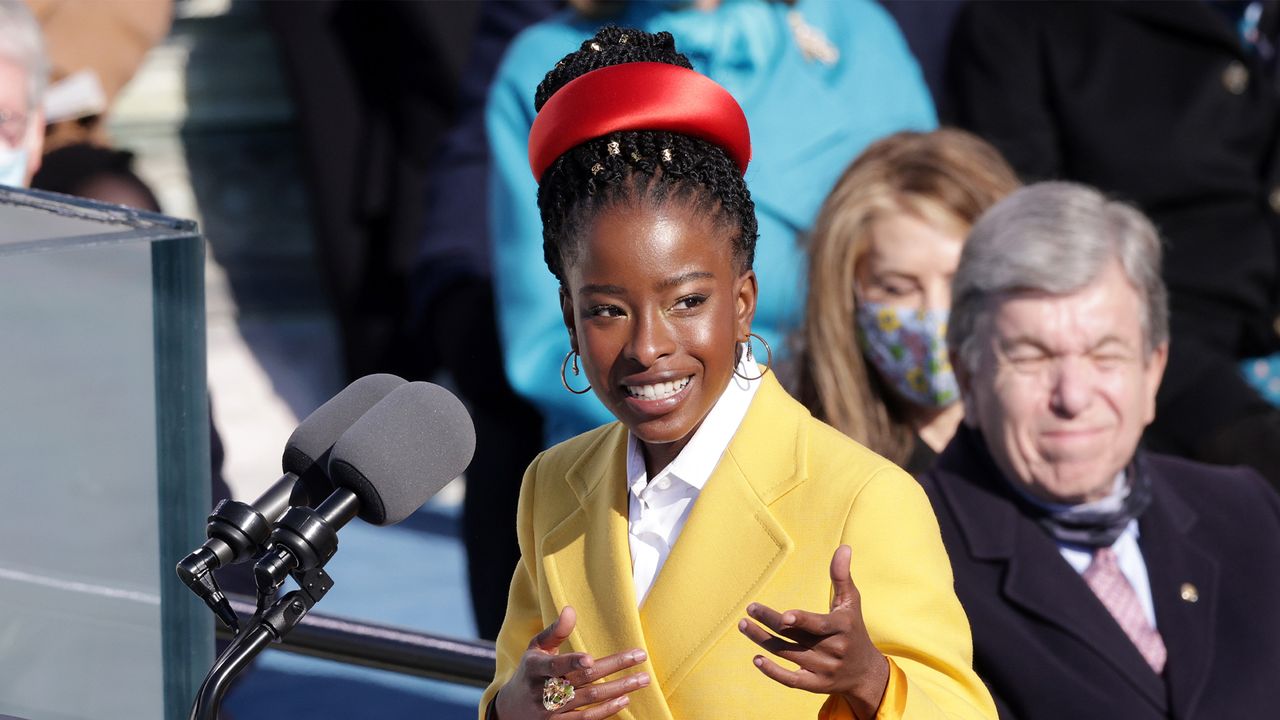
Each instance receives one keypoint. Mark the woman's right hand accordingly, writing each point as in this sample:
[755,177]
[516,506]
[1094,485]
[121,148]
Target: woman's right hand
[595,697]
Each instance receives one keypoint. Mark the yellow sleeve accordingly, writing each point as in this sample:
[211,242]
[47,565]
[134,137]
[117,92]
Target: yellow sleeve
[524,618]
[892,705]
[909,605]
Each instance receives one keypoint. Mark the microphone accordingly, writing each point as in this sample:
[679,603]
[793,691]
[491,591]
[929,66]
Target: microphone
[387,465]
[237,530]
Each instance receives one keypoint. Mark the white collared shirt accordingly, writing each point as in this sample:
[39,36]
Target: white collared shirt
[657,510]
[1128,557]
[1128,554]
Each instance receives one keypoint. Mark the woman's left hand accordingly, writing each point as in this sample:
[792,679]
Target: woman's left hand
[833,650]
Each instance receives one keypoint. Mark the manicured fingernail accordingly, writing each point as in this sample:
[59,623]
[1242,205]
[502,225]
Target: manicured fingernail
[623,701]
[642,679]
[742,625]
[751,608]
[788,619]
[759,661]
[583,662]
[638,656]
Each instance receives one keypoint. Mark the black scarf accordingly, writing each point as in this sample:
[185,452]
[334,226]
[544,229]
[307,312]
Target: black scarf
[1098,528]
[1076,525]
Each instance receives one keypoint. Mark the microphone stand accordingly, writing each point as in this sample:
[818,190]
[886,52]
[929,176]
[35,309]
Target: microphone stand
[272,625]
[303,540]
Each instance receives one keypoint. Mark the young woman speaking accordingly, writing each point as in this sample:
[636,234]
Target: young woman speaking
[717,552]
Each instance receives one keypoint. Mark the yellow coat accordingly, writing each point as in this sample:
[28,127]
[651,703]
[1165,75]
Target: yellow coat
[786,494]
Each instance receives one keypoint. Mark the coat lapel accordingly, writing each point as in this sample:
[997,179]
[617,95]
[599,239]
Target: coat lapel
[587,561]
[1184,588]
[1037,578]
[1043,584]
[1196,20]
[731,545]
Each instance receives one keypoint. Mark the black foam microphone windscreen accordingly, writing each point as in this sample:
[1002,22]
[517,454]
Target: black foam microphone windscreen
[305,454]
[403,451]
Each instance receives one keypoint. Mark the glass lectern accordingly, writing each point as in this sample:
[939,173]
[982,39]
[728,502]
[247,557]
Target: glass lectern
[104,460]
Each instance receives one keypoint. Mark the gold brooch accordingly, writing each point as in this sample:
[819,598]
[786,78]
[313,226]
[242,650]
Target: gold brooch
[1189,593]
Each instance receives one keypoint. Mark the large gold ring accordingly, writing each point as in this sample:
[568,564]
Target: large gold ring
[556,693]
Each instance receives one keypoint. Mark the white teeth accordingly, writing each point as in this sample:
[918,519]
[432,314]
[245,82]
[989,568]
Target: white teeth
[657,391]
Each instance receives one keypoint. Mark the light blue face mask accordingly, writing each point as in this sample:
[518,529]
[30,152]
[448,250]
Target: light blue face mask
[909,348]
[13,167]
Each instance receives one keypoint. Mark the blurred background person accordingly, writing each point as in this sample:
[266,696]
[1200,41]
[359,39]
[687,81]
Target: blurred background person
[95,47]
[390,97]
[1100,580]
[453,323]
[818,81]
[873,359]
[24,73]
[374,85]
[1174,106]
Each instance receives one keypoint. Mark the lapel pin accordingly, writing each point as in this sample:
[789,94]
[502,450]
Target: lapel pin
[1189,592]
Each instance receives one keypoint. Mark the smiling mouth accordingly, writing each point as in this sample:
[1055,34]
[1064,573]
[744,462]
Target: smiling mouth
[657,391]
[1071,437]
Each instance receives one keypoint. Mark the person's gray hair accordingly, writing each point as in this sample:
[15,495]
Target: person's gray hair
[1055,238]
[22,43]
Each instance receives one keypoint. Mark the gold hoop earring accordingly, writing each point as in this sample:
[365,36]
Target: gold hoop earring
[768,357]
[564,366]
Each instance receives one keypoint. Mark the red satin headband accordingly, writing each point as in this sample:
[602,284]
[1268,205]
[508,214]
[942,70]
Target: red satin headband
[638,96]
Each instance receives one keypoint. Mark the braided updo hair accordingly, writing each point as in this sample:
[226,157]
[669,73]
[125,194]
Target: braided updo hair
[632,165]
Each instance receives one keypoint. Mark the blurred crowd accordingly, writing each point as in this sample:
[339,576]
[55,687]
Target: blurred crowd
[976,221]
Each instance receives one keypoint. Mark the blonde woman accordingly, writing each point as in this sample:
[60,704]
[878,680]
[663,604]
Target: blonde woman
[873,356]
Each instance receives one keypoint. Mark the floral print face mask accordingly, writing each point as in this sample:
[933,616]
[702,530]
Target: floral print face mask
[909,348]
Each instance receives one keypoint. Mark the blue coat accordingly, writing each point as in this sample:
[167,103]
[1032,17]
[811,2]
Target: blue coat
[1047,647]
[808,121]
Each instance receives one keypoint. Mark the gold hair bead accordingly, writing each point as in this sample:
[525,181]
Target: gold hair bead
[624,39]
[595,169]
[613,147]
[666,154]
[635,157]
[595,47]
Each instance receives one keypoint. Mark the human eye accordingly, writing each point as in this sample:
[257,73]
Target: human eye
[1110,358]
[604,311]
[899,288]
[892,287]
[689,302]
[13,125]
[1027,358]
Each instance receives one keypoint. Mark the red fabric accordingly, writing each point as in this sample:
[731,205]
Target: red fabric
[638,96]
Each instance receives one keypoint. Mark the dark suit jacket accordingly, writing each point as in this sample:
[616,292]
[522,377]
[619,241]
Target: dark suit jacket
[1047,647]
[1160,104]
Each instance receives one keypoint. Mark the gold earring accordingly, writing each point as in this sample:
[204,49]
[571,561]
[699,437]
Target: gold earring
[564,366]
[768,357]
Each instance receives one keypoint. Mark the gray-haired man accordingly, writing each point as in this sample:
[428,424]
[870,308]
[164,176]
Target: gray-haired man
[1100,580]
[24,71]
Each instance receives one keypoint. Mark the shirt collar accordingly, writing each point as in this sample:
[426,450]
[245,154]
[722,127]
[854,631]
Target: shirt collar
[695,463]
